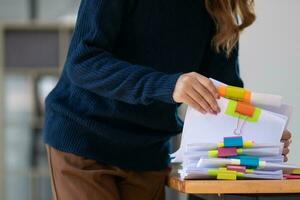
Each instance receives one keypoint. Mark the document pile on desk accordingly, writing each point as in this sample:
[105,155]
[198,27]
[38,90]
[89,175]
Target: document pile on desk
[241,142]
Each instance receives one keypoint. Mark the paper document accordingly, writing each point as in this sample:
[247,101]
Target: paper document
[240,142]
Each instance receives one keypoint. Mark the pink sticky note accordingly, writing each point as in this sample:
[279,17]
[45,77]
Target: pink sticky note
[291,176]
[237,168]
[225,152]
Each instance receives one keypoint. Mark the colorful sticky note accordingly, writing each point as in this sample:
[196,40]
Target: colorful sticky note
[296,171]
[237,168]
[245,109]
[226,176]
[226,152]
[249,161]
[233,141]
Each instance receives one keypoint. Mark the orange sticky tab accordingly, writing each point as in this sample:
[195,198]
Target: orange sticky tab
[247,97]
[222,91]
[245,109]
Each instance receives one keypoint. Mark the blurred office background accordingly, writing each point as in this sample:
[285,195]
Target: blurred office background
[269,57]
[30,59]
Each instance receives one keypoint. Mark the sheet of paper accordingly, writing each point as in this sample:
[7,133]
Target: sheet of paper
[250,152]
[203,174]
[221,162]
[209,128]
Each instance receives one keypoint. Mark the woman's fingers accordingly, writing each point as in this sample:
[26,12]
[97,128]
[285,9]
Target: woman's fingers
[208,84]
[191,102]
[197,91]
[286,135]
[192,93]
[286,143]
[285,151]
[207,96]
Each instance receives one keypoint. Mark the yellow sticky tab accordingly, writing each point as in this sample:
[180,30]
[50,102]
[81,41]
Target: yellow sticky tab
[223,169]
[249,171]
[226,176]
[248,144]
[220,145]
[235,93]
[213,153]
[296,171]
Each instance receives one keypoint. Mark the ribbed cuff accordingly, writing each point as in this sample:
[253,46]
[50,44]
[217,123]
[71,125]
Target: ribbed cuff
[166,87]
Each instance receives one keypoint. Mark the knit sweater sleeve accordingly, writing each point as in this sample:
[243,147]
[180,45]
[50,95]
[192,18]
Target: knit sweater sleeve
[91,64]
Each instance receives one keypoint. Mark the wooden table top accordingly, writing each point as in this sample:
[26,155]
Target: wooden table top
[234,187]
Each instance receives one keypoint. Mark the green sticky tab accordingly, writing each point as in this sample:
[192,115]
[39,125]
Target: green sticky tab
[249,171]
[231,112]
[240,174]
[212,172]
[239,151]
[213,153]
[235,93]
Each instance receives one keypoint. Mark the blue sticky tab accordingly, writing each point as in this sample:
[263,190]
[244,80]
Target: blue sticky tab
[249,161]
[233,141]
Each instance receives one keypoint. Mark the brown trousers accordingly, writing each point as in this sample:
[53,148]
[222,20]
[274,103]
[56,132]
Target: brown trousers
[74,177]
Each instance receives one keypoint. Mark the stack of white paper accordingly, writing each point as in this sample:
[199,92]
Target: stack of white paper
[202,148]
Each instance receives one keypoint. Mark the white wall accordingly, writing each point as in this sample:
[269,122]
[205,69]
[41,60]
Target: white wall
[13,9]
[53,9]
[270,57]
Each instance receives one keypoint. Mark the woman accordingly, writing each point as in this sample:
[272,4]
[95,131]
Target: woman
[130,65]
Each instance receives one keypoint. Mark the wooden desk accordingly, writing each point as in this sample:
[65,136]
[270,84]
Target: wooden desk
[234,187]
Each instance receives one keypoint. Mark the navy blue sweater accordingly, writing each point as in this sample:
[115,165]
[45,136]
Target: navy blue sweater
[113,102]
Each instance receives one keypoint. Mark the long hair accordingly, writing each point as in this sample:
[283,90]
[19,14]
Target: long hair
[231,17]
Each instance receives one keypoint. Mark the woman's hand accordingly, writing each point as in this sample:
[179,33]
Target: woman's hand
[198,92]
[286,139]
